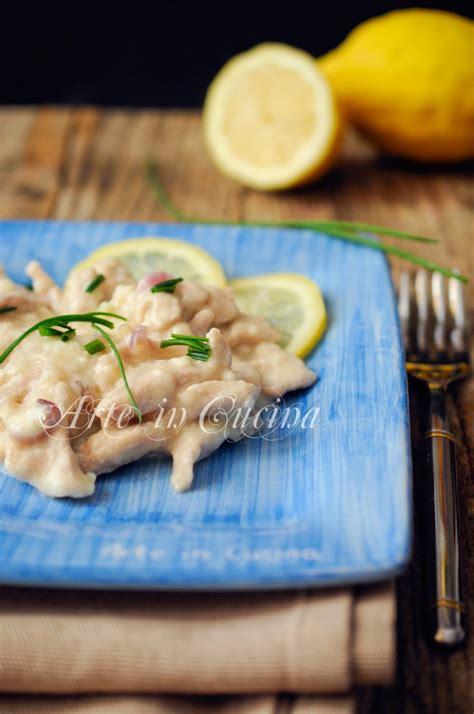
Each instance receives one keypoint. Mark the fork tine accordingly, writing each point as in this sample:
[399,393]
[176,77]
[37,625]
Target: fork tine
[404,308]
[439,309]
[458,314]
[423,309]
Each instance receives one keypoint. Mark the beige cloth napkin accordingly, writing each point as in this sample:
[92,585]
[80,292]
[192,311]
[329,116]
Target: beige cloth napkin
[251,645]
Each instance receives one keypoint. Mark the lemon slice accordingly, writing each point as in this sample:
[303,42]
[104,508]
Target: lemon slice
[270,118]
[147,255]
[291,302]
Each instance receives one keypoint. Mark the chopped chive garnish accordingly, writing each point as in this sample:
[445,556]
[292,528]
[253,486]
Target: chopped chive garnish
[98,280]
[345,230]
[94,346]
[194,338]
[166,286]
[114,349]
[28,286]
[9,308]
[64,334]
[198,347]
[46,331]
[70,331]
[200,356]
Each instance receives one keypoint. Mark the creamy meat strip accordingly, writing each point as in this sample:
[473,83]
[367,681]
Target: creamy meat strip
[65,415]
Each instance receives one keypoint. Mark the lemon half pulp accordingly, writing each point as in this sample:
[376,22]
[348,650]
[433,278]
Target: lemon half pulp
[270,118]
[291,302]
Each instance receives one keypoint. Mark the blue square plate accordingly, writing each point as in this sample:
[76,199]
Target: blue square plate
[324,505]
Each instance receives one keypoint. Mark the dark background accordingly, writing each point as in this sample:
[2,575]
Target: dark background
[155,54]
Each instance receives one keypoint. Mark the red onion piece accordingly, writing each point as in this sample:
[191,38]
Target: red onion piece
[153,279]
[138,337]
[51,414]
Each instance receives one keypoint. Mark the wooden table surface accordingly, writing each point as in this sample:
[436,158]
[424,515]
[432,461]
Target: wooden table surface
[89,164]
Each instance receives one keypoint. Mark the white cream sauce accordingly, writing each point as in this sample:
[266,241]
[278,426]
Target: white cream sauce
[65,416]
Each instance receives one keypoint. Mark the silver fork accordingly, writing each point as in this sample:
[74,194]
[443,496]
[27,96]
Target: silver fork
[436,346]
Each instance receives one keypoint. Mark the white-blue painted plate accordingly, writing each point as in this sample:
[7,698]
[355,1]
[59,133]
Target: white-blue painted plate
[323,505]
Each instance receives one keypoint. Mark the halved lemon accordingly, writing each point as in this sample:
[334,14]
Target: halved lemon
[147,255]
[291,302]
[270,118]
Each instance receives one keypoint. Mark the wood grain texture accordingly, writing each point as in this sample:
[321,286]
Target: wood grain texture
[88,164]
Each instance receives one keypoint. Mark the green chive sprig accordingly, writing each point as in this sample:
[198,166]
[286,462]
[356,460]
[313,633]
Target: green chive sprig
[345,230]
[59,326]
[121,367]
[198,347]
[7,308]
[98,280]
[166,286]
[61,321]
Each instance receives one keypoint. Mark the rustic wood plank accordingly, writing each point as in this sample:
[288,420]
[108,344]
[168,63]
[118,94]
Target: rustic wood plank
[14,127]
[89,164]
[77,166]
[35,177]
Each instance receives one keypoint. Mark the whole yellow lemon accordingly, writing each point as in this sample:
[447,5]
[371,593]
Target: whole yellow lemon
[406,81]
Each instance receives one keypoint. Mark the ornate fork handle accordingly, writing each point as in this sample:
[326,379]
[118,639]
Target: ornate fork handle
[436,346]
[446,623]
